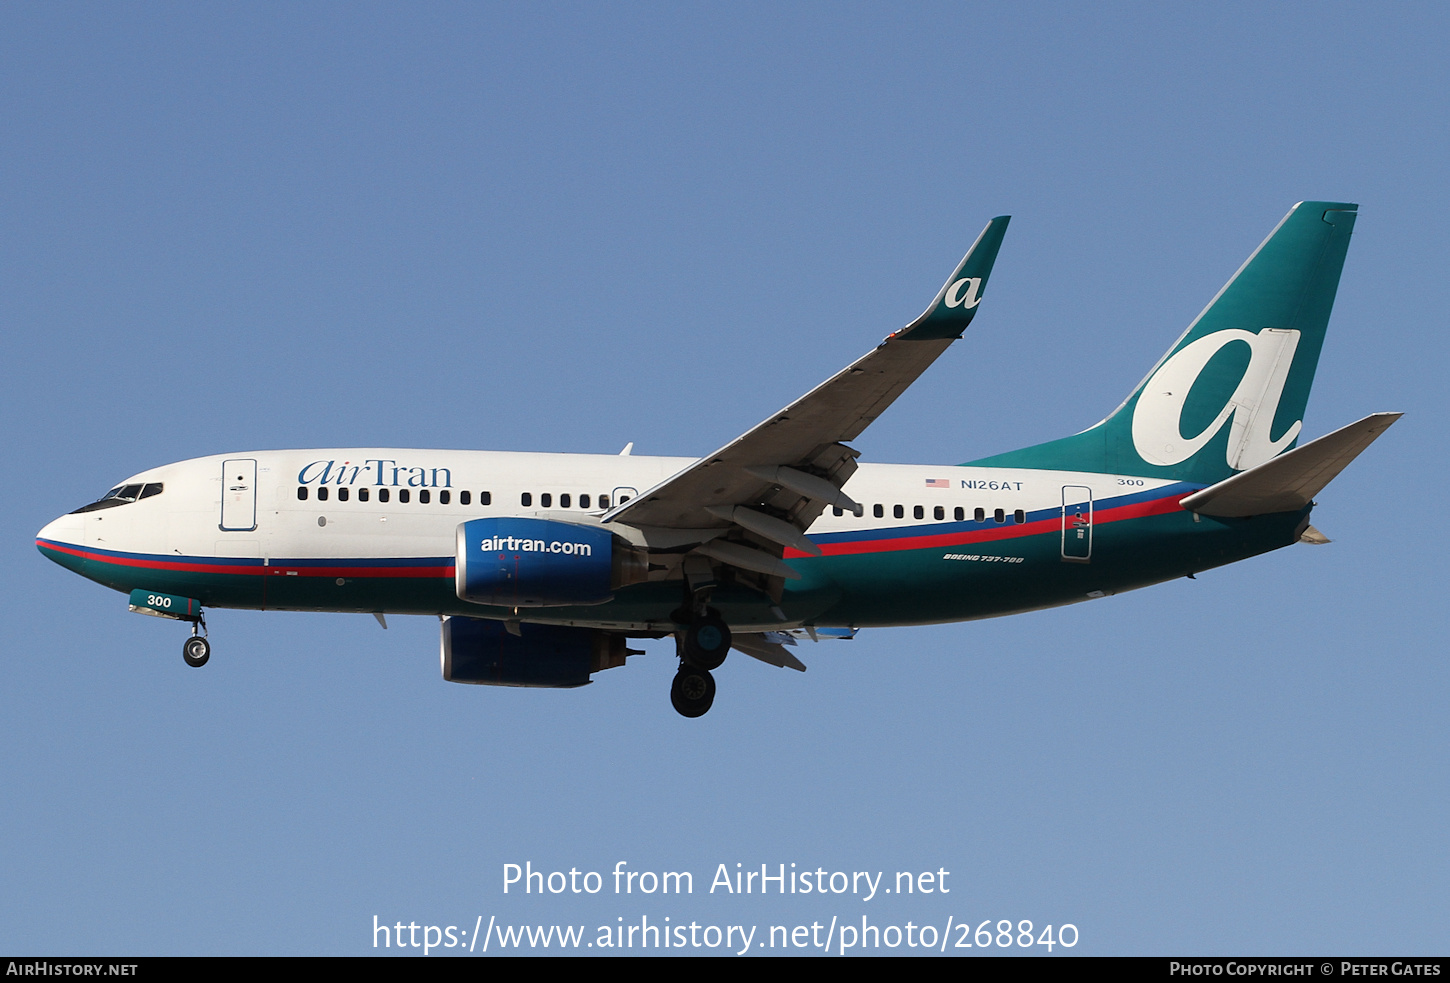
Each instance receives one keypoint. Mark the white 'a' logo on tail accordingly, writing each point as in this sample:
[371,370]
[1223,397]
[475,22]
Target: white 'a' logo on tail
[963,293]
[1157,419]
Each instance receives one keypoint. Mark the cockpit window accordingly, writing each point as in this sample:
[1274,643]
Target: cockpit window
[122,495]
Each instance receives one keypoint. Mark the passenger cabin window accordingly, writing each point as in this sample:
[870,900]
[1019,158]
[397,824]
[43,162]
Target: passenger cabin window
[526,500]
[342,494]
[564,500]
[362,494]
[301,493]
[1019,516]
[465,498]
[485,498]
[878,511]
[898,512]
[939,513]
[443,497]
[546,500]
[384,494]
[918,512]
[604,501]
[404,496]
[999,516]
[959,514]
[423,496]
[322,494]
[583,501]
[980,515]
[837,510]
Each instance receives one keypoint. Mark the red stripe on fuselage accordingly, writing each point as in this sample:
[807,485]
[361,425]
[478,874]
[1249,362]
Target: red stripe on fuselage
[253,569]
[1137,510]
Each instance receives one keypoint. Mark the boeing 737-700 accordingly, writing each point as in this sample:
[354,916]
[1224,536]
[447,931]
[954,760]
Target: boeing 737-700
[543,567]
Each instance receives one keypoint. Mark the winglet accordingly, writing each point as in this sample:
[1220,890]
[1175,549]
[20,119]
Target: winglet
[956,302]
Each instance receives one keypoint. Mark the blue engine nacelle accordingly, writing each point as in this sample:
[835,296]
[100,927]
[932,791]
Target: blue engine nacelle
[487,653]
[530,563]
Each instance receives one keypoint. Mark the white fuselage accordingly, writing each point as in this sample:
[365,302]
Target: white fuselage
[186,518]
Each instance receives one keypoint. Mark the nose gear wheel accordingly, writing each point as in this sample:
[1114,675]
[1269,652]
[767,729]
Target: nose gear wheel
[196,650]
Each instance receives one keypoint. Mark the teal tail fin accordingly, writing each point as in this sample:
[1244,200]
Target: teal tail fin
[1230,393]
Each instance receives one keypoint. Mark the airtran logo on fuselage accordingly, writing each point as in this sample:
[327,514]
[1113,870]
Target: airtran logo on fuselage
[374,471]
[964,293]
[1158,417]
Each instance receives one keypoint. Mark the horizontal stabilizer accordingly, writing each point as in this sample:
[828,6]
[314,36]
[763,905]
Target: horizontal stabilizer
[1290,481]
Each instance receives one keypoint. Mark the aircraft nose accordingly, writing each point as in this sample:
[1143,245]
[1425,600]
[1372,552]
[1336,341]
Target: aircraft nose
[66,530]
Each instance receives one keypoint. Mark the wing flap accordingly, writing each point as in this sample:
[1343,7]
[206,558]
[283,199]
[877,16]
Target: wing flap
[768,647]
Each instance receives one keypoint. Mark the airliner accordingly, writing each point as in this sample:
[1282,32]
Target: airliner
[542,568]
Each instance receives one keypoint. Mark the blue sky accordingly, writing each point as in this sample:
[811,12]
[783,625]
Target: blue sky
[237,227]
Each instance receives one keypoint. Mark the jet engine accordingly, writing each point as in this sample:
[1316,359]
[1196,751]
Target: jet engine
[530,563]
[487,653]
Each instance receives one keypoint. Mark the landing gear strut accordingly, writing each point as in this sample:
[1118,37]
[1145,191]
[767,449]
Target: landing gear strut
[703,642]
[196,649]
[702,645]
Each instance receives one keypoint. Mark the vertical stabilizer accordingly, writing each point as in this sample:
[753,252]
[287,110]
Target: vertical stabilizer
[1230,394]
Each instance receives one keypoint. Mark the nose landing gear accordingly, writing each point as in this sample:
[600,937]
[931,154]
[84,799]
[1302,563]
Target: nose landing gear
[196,649]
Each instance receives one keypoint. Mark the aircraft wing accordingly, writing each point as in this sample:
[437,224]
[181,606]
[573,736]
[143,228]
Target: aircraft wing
[768,485]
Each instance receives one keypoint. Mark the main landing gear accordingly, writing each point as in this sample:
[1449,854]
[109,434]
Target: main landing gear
[706,641]
[196,649]
[693,691]
[703,645]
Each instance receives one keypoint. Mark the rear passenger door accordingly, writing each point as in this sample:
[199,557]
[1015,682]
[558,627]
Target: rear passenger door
[1077,523]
